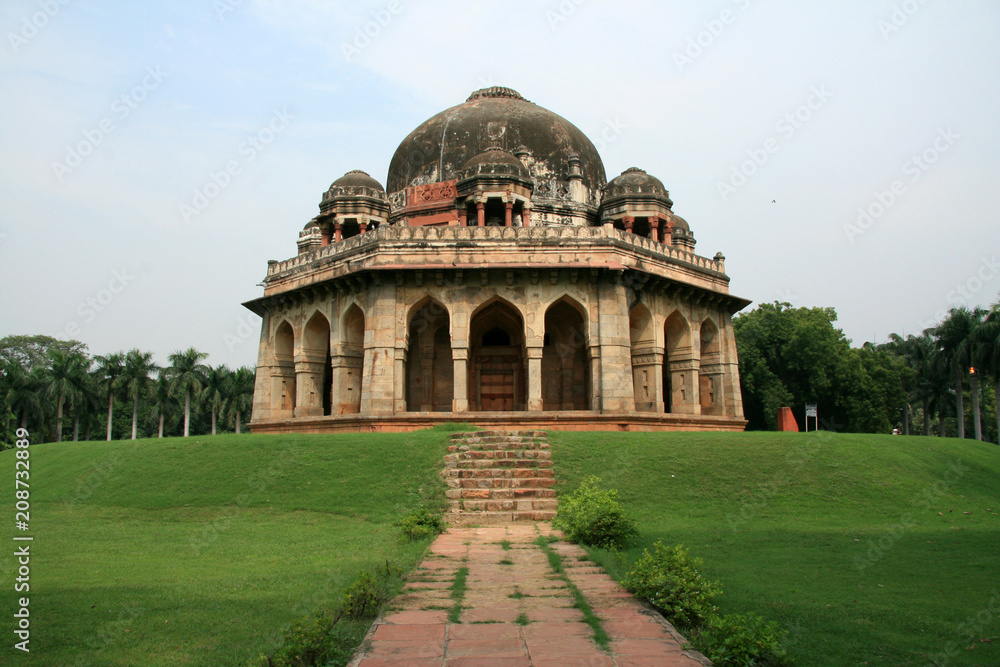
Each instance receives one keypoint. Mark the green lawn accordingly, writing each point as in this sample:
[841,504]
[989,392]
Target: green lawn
[200,551]
[874,550]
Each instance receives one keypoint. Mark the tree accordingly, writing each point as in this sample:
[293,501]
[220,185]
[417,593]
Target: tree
[106,374]
[163,399]
[135,380]
[187,376]
[24,392]
[988,359]
[65,378]
[217,383]
[33,351]
[240,396]
[956,344]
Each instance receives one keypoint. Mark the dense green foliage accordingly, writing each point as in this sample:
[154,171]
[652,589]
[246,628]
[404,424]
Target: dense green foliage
[859,546]
[204,550]
[421,523]
[593,516]
[671,579]
[742,640]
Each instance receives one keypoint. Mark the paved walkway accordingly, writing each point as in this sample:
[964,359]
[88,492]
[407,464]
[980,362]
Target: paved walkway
[516,612]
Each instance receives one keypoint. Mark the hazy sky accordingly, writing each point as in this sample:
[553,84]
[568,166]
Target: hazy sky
[841,154]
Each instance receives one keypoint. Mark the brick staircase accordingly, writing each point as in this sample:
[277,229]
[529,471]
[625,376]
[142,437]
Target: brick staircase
[499,476]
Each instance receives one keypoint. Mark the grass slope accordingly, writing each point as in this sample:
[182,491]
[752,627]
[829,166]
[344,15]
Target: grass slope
[199,551]
[875,550]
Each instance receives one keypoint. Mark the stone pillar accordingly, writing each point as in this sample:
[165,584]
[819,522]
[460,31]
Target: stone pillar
[463,216]
[526,215]
[481,214]
[654,228]
[336,231]
[508,214]
[628,221]
[594,359]
[534,379]
[309,383]
[684,386]
[399,380]
[460,359]
[616,349]
[346,365]
[647,378]
[377,389]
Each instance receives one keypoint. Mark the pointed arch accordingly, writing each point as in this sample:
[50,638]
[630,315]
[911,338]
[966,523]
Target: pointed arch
[430,375]
[679,374]
[348,362]
[710,369]
[565,371]
[316,372]
[645,369]
[283,374]
[497,357]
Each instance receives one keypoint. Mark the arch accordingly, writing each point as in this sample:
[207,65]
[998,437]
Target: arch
[283,375]
[710,369]
[316,367]
[566,381]
[430,375]
[645,366]
[679,383]
[348,363]
[497,372]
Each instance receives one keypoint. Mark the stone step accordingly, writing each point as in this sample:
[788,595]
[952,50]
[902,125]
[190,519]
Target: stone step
[503,494]
[484,518]
[497,473]
[499,446]
[513,483]
[490,434]
[500,455]
[500,505]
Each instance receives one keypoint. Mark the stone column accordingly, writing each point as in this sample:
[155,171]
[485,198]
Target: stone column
[647,378]
[628,221]
[309,381]
[654,228]
[526,215]
[534,379]
[460,361]
[463,216]
[594,359]
[481,214]
[508,215]
[336,231]
[377,389]
[399,380]
[684,386]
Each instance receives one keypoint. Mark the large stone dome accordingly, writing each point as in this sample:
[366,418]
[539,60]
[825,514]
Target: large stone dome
[493,118]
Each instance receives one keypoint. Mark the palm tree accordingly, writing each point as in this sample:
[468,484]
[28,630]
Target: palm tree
[84,404]
[215,389]
[163,399]
[240,398]
[24,392]
[956,343]
[135,380]
[106,373]
[187,375]
[65,380]
[988,359]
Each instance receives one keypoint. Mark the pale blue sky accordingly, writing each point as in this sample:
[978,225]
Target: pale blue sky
[209,78]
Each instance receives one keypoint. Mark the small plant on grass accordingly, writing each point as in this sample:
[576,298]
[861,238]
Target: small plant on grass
[594,517]
[742,640]
[522,619]
[505,545]
[420,524]
[671,579]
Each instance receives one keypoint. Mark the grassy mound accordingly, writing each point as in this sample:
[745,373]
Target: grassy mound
[874,550]
[200,551]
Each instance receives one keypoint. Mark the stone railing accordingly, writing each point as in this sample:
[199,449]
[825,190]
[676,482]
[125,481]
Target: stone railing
[492,235]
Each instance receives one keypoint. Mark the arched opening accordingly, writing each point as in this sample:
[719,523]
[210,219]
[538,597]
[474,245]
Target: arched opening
[350,361]
[315,368]
[710,369]
[565,372]
[283,378]
[644,359]
[349,228]
[678,382]
[430,375]
[497,358]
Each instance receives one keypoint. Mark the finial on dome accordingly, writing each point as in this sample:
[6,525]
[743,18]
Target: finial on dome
[495,92]
[634,169]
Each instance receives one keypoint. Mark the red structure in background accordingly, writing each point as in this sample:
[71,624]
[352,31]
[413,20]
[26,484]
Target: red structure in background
[786,420]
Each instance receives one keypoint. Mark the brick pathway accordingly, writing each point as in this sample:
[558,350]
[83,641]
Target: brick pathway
[516,612]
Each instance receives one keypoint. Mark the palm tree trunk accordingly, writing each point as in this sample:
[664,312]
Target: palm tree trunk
[997,396]
[187,412]
[927,417]
[986,419]
[86,436]
[111,407]
[959,402]
[906,419]
[76,428]
[213,419]
[59,415]
[24,419]
[135,415]
[977,425]
[161,424]
[237,422]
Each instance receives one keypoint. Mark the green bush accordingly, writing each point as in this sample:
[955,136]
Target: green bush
[594,517]
[319,641]
[670,579]
[421,524]
[742,640]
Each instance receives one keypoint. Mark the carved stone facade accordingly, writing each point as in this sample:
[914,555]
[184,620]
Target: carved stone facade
[503,282]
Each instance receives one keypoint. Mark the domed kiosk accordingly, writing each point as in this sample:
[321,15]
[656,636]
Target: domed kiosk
[499,279]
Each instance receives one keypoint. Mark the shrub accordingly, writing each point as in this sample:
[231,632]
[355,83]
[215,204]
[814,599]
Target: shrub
[670,579]
[742,640]
[595,517]
[316,642]
[421,524]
